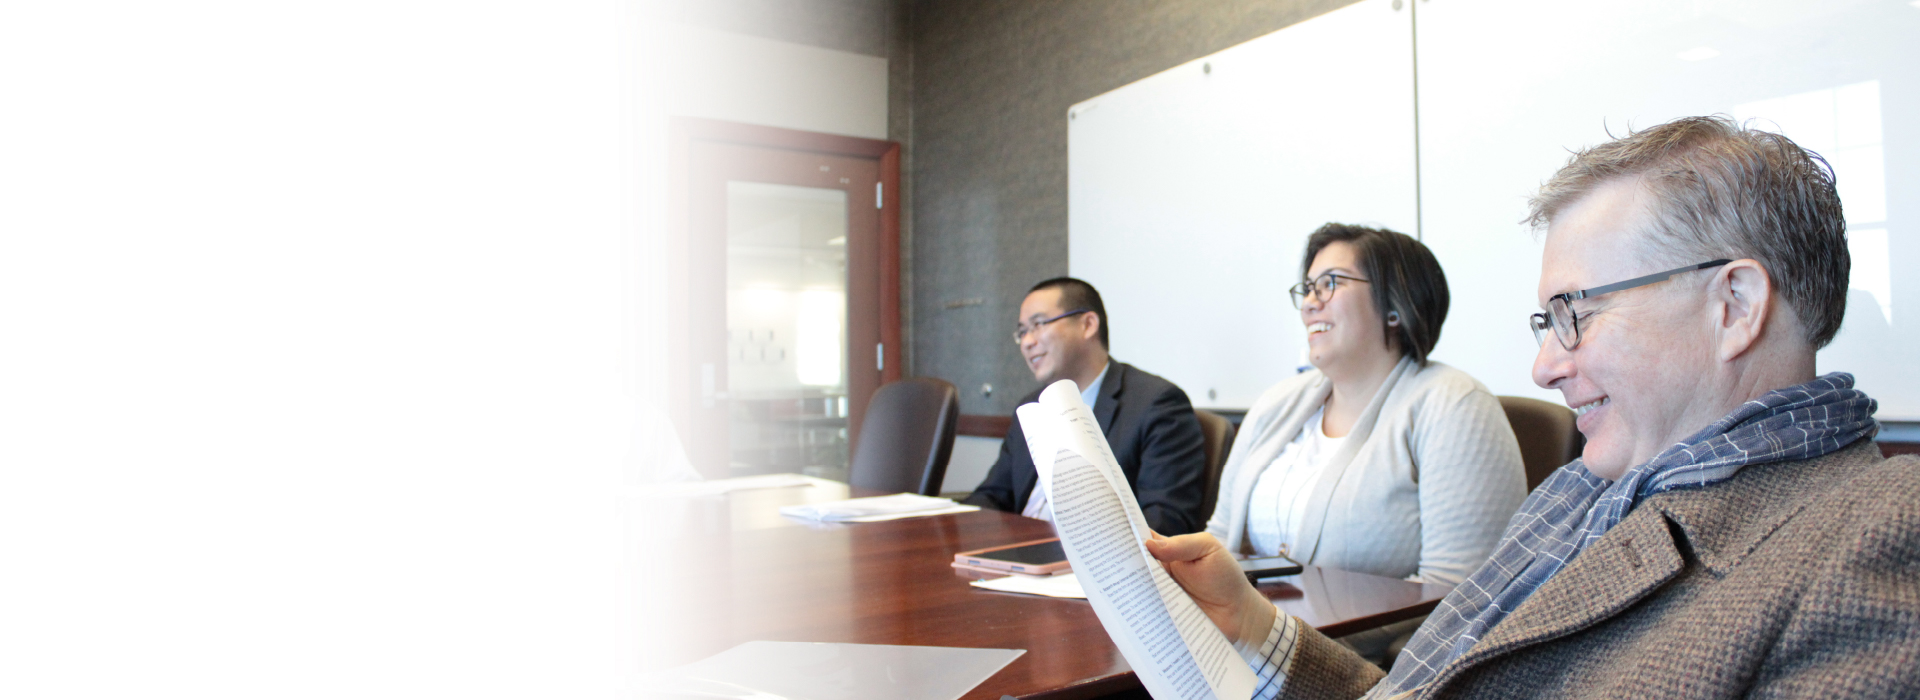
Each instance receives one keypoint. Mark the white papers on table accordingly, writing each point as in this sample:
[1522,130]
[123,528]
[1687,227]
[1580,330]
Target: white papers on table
[876,508]
[717,487]
[779,670]
[1062,586]
[949,510]
[1174,648]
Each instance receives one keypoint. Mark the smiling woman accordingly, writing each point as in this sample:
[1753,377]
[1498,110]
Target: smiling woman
[1377,459]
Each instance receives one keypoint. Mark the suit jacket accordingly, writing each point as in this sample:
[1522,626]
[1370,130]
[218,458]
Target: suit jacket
[1150,425]
[1791,579]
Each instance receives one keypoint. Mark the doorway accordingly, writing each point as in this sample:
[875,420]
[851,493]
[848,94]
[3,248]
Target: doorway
[785,316]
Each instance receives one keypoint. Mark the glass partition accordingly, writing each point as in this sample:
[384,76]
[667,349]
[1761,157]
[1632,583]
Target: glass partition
[787,329]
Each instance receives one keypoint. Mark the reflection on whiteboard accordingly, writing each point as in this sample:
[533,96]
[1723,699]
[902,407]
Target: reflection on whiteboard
[1872,267]
[1497,117]
[1843,124]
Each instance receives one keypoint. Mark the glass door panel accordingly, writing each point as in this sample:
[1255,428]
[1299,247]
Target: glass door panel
[780,304]
[787,329]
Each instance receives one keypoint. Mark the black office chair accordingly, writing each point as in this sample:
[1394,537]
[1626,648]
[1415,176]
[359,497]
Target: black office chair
[907,437]
[1217,437]
[1547,435]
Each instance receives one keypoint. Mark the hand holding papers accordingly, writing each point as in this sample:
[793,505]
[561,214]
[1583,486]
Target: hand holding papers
[1176,650]
[876,508]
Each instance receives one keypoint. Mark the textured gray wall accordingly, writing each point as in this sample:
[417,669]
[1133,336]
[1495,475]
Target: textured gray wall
[991,81]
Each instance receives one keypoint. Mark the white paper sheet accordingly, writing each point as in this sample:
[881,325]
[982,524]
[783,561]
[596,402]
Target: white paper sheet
[1174,648]
[820,671]
[872,508]
[1062,586]
[692,489]
[949,510]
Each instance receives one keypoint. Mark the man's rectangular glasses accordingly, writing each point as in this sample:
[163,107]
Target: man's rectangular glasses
[1020,332]
[1565,324]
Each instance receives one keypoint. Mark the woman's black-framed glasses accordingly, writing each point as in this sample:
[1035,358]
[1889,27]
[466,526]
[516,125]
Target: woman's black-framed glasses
[1320,287]
[1565,324]
[1020,332]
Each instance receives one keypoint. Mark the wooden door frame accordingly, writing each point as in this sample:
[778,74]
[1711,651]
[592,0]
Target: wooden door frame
[682,133]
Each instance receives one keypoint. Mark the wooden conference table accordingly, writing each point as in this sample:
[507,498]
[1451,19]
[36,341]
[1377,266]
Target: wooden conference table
[727,569]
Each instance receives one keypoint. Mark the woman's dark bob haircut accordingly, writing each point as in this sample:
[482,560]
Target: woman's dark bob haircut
[1405,277]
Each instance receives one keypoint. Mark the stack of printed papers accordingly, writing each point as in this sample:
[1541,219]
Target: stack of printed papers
[876,508]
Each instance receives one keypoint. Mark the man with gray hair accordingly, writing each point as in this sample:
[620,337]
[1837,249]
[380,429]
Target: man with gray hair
[1731,528]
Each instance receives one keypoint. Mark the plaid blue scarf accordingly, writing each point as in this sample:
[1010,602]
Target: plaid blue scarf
[1573,508]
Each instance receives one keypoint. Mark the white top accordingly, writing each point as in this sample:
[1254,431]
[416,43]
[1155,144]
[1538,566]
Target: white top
[1420,488]
[1037,501]
[1280,496]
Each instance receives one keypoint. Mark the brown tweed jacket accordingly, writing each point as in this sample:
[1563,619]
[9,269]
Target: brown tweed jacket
[1793,579]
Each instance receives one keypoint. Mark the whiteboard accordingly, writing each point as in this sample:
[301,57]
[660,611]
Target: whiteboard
[1191,192]
[1498,117]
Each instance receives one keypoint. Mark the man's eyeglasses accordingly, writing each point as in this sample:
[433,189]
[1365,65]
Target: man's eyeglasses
[1565,324]
[1320,287]
[1020,332]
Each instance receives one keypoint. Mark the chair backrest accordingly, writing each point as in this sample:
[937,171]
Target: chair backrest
[1217,433]
[907,437]
[1548,438]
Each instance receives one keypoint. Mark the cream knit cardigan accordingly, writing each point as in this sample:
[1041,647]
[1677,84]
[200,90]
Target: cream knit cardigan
[1421,488]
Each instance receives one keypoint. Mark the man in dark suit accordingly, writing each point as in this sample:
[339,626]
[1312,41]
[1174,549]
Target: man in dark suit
[1062,332]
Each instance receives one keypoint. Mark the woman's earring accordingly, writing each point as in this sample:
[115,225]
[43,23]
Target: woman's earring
[1393,318]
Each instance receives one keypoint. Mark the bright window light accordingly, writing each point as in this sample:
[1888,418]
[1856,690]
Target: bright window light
[1843,124]
[1698,54]
[1872,268]
[818,335]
